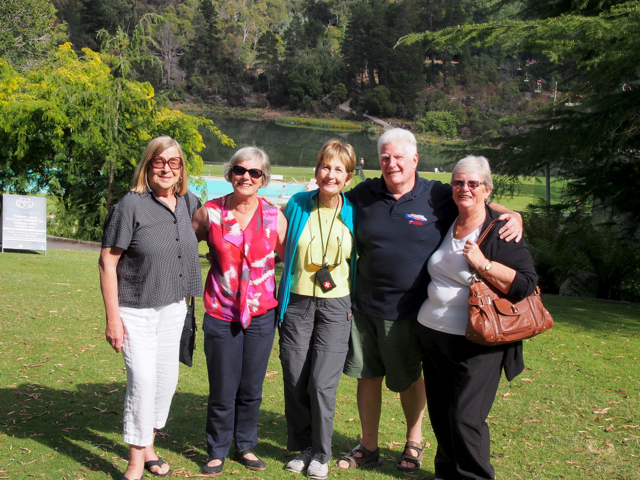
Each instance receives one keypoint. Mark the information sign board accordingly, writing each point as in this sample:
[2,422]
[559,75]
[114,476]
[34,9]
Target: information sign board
[24,222]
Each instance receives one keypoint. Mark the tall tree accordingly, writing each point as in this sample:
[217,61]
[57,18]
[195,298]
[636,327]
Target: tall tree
[29,32]
[594,145]
[57,133]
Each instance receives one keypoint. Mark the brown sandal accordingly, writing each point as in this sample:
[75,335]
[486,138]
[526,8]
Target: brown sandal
[368,459]
[408,457]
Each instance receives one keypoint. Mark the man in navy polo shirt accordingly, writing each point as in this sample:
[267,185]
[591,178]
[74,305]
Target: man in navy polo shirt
[401,219]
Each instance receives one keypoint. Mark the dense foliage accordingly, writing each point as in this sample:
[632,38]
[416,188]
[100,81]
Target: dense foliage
[312,55]
[76,131]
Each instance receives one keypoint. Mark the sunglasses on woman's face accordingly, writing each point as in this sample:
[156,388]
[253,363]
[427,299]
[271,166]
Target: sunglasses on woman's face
[253,172]
[472,184]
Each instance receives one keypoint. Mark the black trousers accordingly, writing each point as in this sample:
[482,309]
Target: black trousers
[237,361]
[461,380]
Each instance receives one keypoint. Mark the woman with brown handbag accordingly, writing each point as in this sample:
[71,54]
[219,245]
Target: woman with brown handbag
[461,377]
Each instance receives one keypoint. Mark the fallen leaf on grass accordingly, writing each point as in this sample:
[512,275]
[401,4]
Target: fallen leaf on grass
[527,380]
[604,410]
[70,429]
[609,428]
[532,421]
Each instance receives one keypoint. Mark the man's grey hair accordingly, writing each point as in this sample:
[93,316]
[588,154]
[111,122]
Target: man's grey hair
[399,136]
[476,165]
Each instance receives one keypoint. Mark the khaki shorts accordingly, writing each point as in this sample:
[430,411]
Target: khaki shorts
[384,348]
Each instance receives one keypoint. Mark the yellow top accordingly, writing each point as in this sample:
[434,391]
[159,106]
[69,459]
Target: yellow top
[308,258]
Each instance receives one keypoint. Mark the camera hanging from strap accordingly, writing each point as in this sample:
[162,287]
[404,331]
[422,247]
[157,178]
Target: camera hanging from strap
[323,275]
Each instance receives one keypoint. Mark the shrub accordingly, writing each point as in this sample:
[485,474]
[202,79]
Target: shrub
[441,124]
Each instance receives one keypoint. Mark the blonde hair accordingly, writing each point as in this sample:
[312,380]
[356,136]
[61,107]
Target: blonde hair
[335,148]
[156,146]
[249,153]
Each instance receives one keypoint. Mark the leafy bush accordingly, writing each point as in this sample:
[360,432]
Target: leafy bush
[441,124]
[377,102]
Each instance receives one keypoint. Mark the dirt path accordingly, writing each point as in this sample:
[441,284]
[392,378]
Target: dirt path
[345,107]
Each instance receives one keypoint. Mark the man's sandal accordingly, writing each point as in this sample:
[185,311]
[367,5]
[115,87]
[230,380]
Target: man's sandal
[408,457]
[368,459]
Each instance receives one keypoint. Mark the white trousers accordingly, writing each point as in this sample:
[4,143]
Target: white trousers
[150,350]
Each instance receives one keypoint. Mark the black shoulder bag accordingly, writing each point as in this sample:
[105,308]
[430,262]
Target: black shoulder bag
[188,338]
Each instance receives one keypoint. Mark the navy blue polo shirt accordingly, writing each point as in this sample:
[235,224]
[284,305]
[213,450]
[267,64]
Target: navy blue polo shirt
[395,240]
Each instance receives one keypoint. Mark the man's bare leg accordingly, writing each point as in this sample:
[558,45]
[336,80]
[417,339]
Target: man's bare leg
[369,408]
[413,401]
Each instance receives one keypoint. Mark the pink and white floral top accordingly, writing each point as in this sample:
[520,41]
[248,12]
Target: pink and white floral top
[241,281]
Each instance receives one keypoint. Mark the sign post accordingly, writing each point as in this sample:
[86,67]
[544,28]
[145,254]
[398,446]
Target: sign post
[24,222]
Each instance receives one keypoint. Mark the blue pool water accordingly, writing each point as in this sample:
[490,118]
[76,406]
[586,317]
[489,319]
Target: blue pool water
[217,188]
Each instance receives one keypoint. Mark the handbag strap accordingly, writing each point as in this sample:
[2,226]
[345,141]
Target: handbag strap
[486,231]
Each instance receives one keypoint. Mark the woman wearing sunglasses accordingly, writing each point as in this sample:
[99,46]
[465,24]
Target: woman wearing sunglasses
[148,265]
[461,378]
[239,325]
[315,307]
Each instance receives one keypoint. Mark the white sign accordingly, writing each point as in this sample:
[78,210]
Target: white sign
[24,222]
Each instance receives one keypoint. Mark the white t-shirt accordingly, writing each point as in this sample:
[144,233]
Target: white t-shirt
[447,307]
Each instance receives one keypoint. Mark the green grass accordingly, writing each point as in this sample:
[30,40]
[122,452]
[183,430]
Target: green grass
[319,124]
[572,414]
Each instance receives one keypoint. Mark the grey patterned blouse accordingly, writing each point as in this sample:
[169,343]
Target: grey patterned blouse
[160,264]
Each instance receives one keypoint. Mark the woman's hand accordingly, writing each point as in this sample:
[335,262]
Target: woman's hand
[500,276]
[108,262]
[471,251]
[115,333]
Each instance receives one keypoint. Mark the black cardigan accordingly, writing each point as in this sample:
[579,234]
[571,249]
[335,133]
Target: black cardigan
[516,256]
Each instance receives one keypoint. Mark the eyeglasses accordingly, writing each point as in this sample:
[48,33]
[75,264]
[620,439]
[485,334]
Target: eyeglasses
[326,263]
[253,172]
[175,163]
[472,184]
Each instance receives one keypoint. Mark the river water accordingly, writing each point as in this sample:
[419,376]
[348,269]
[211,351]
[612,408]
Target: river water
[298,147]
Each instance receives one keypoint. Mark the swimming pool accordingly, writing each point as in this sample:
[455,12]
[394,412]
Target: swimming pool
[217,188]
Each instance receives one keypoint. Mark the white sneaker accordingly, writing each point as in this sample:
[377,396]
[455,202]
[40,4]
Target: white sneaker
[318,470]
[301,462]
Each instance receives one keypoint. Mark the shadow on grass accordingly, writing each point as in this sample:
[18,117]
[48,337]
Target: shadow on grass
[85,425]
[608,317]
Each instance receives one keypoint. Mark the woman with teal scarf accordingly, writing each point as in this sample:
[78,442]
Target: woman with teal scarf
[315,307]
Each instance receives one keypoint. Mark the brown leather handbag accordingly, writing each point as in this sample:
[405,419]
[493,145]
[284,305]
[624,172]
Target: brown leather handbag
[495,320]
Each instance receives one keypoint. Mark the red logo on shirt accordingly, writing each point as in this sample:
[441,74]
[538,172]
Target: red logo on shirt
[416,219]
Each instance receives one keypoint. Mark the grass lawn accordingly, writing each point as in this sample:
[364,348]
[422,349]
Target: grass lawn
[573,414]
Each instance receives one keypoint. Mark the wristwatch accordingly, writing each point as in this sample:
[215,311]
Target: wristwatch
[486,269]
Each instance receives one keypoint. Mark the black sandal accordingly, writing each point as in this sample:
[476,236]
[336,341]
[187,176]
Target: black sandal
[368,458]
[408,457]
[157,463]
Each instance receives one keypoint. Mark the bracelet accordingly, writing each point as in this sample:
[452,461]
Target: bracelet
[486,269]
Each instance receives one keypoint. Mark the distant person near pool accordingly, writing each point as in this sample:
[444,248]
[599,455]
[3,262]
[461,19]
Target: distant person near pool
[362,177]
[315,307]
[148,266]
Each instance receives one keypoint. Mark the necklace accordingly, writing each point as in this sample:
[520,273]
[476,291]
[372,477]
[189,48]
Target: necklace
[469,222]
